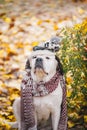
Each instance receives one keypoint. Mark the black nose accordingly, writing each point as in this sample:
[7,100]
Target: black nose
[39,60]
[39,63]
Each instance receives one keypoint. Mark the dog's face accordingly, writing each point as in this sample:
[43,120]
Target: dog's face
[43,65]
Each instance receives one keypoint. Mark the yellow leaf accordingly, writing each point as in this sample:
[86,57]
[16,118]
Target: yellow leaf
[80,10]
[34,44]
[8,126]
[74,115]
[39,22]
[13,96]
[70,124]
[8,103]
[10,51]
[69,92]
[47,20]
[2,53]
[69,80]
[11,117]
[55,27]
[7,20]
[4,113]
[85,118]
[4,124]
[19,45]
[7,76]
[82,74]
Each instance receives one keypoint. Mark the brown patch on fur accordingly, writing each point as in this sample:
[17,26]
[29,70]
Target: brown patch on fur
[40,73]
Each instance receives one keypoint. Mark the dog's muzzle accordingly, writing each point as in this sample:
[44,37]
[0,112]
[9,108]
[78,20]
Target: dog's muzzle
[39,66]
[39,63]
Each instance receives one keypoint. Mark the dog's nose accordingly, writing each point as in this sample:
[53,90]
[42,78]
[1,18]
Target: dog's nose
[39,63]
[39,60]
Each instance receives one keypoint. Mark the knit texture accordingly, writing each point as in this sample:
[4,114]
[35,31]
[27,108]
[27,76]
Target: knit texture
[30,89]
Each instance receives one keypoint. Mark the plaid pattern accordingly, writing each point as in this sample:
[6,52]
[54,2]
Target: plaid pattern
[30,89]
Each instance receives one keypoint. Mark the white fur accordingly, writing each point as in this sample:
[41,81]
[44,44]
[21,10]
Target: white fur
[48,64]
[50,104]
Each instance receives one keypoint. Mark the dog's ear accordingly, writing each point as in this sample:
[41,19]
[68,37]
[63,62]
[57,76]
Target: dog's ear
[59,66]
[27,66]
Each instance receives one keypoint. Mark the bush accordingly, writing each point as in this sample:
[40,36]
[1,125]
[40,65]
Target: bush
[73,55]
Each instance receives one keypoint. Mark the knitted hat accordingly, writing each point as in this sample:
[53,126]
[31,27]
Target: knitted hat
[53,45]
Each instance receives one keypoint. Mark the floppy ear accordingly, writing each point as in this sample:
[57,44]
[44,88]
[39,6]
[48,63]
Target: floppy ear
[59,66]
[27,66]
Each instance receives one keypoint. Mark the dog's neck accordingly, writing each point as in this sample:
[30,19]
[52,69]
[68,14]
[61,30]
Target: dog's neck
[46,78]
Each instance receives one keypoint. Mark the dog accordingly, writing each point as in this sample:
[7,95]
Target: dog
[43,65]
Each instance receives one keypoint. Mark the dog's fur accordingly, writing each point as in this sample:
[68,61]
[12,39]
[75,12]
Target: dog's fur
[43,66]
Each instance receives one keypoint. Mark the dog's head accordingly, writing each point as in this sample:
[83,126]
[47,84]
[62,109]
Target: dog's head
[43,65]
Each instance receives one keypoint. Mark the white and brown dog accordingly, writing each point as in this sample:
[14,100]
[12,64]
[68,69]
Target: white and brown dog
[43,65]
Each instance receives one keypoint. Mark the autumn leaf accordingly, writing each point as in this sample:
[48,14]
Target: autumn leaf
[39,22]
[70,124]
[69,92]
[7,20]
[85,118]
[55,27]
[34,43]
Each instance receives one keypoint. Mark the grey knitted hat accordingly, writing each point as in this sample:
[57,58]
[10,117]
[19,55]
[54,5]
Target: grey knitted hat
[53,45]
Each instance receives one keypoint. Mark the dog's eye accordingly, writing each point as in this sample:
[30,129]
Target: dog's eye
[47,58]
[34,57]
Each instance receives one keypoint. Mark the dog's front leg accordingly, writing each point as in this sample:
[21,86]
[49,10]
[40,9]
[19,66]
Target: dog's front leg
[55,118]
[17,113]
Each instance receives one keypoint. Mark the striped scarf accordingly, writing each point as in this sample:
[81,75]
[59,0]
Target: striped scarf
[29,89]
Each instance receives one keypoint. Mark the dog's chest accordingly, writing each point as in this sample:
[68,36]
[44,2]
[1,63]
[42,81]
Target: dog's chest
[45,105]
